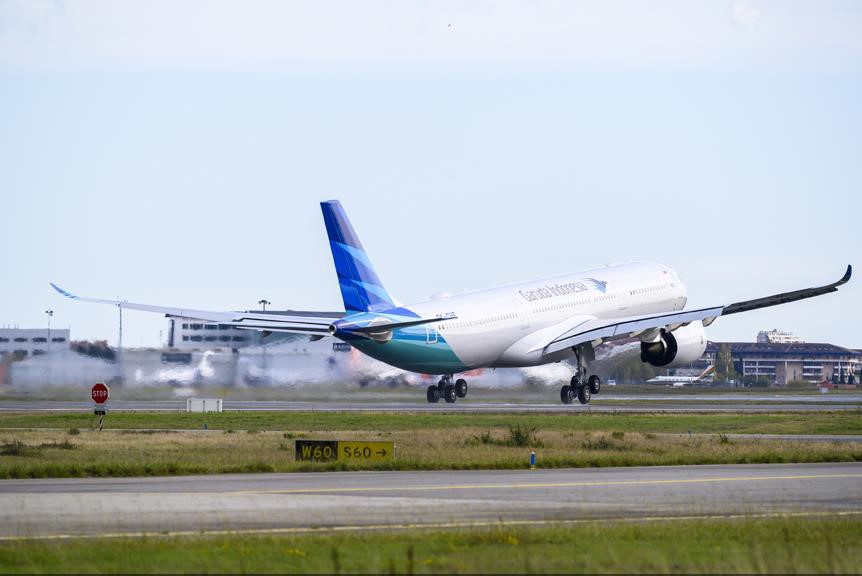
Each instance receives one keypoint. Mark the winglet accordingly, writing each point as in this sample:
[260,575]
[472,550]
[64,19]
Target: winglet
[63,292]
[846,277]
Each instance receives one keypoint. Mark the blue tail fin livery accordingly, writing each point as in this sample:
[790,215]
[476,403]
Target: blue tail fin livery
[361,289]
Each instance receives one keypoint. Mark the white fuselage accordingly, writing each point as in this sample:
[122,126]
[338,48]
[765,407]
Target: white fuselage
[497,327]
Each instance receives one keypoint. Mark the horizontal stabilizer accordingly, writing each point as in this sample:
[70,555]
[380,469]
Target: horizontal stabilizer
[386,327]
[297,322]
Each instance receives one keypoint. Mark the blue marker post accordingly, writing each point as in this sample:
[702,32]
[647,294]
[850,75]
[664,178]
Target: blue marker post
[532,460]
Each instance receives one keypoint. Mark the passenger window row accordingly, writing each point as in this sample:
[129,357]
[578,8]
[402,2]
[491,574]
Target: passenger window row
[479,321]
[649,289]
[573,303]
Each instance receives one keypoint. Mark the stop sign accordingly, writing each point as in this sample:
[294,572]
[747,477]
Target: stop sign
[100,393]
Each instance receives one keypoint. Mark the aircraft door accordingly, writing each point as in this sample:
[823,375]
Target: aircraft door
[430,335]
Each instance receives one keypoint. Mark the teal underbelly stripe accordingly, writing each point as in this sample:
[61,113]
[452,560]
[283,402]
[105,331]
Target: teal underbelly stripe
[410,350]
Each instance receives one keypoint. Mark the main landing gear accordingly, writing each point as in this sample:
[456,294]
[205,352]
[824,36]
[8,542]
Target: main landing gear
[583,391]
[579,388]
[446,390]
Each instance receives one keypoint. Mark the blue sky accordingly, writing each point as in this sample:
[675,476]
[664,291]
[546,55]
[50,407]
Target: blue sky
[175,152]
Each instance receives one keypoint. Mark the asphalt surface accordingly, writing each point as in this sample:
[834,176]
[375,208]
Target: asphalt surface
[367,500]
[688,403]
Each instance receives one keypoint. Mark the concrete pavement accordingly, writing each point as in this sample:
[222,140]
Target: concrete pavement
[365,500]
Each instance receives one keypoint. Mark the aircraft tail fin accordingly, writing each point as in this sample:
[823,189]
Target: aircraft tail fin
[709,370]
[361,288]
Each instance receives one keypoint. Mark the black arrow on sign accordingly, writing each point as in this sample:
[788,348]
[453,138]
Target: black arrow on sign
[381,452]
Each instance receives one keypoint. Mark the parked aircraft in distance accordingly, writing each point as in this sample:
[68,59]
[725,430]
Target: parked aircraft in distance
[527,324]
[682,380]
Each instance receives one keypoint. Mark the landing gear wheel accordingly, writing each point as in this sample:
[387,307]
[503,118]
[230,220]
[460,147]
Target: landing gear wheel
[449,394]
[575,382]
[433,394]
[584,394]
[567,394]
[594,384]
[461,388]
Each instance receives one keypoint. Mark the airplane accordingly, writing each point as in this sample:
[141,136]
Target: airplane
[519,325]
[682,380]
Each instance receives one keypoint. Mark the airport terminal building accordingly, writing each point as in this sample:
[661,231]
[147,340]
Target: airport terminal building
[32,341]
[785,362]
[184,334]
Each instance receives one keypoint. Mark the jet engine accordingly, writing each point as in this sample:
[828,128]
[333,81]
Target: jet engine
[678,348]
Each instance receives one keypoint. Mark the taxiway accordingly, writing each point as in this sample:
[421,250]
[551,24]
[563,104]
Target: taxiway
[604,403]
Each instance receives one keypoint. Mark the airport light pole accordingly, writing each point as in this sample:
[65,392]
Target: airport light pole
[50,314]
[119,356]
[120,330]
[263,302]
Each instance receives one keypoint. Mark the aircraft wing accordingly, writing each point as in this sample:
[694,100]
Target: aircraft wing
[296,322]
[601,330]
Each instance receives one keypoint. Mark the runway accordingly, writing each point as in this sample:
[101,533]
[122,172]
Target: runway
[605,403]
[374,500]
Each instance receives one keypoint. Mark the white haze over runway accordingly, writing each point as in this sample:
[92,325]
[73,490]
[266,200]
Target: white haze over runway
[289,366]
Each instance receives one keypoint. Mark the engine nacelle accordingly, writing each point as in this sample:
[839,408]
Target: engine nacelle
[678,348]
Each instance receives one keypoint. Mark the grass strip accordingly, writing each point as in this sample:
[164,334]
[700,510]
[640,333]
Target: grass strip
[756,545]
[837,422]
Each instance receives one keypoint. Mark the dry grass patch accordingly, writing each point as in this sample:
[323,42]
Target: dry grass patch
[53,453]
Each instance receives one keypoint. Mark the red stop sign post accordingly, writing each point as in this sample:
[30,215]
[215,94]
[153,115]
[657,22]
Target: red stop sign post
[100,394]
